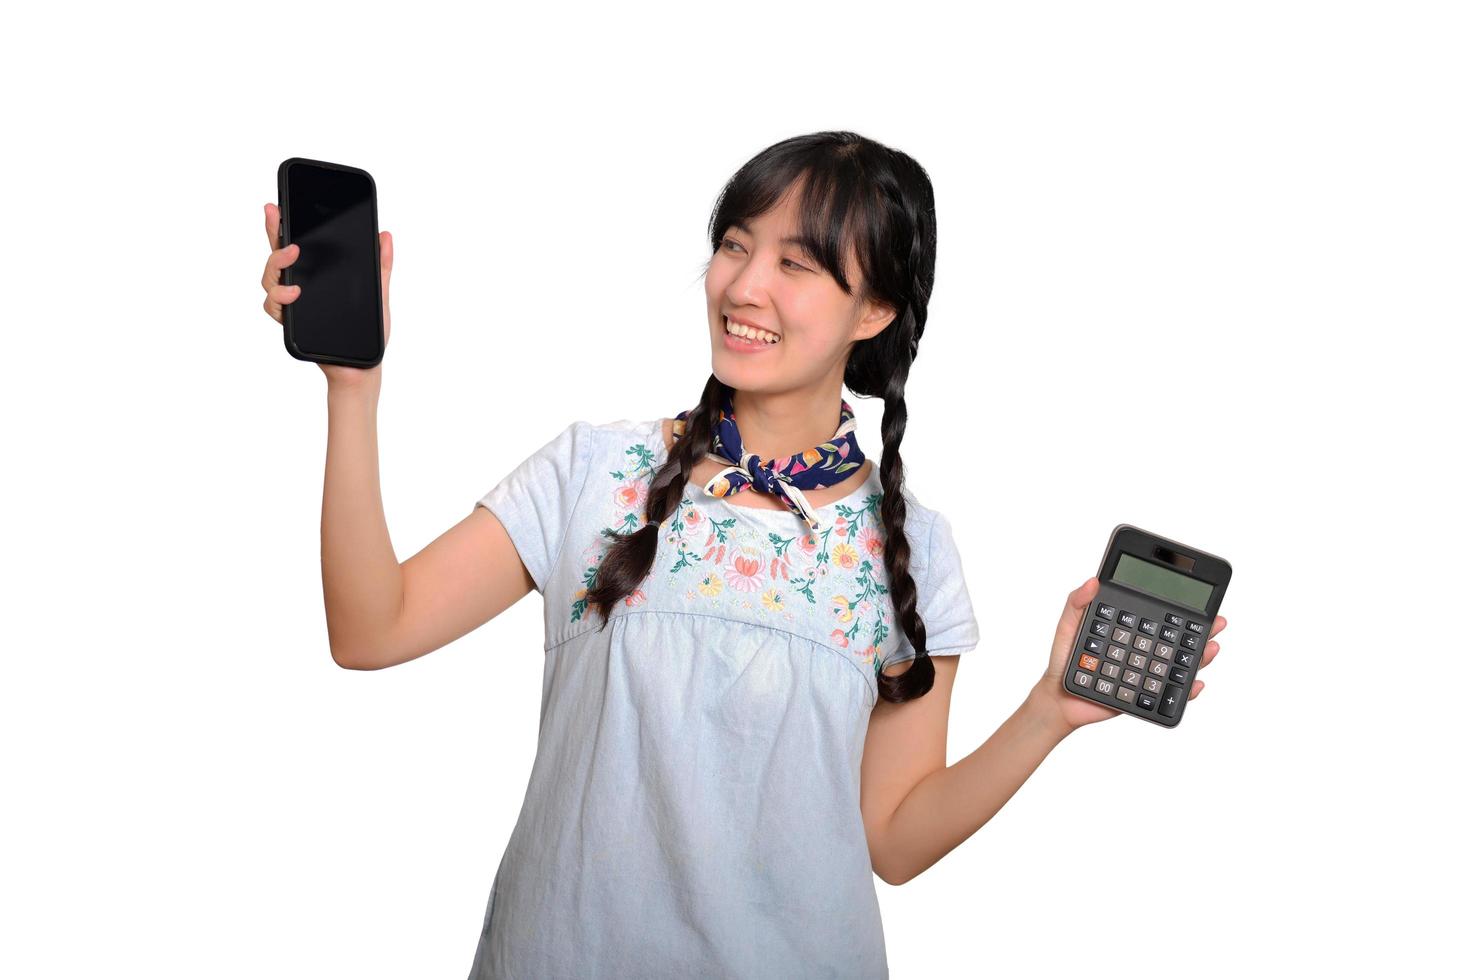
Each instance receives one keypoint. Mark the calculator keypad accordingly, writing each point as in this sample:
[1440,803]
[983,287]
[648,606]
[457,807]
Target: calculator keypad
[1141,659]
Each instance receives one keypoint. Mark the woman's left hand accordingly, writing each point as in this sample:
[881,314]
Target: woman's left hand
[1073,711]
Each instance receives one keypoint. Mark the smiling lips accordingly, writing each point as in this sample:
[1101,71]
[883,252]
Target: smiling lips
[750,333]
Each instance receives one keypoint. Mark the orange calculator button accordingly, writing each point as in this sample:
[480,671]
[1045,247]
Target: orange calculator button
[1088,662]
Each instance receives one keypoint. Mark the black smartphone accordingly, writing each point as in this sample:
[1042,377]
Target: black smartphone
[331,211]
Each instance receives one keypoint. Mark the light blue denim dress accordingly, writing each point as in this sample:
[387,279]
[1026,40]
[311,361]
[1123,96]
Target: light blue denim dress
[693,807]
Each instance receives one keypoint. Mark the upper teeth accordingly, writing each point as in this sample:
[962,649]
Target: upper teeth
[741,330]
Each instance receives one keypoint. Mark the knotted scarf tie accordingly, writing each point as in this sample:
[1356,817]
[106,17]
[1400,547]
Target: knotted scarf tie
[786,477]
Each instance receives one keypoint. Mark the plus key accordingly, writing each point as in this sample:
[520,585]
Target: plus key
[1171,699]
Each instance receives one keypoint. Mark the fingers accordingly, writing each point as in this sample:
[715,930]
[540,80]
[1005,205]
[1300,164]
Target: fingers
[1083,594]
[1198,686]
[277,261]
[277,297]
[1211,649]
[282,294]
[1218,626]
[273,225]
[385,252]
[1077,601]
[1071,620]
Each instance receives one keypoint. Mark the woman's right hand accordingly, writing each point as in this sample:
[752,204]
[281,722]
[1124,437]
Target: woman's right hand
[277,296]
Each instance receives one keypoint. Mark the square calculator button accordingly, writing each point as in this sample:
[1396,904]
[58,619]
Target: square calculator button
[1184,659]
[1191,642]
[1169,634]
[1088,662]
[1104,686]
[1106,611]
[1132,678]
[1158,668]
[1148,626]
[1126,694]
[1143,643]
[1082,679]
[1153,685]
[1174,619]
[1137,660]
[1117,653]
[1178,674]
[1120,635]
[1147,701]
[1099,628]
[1196,627]
[1127,619]
[1113,670]
[1093,645]
[1164,651]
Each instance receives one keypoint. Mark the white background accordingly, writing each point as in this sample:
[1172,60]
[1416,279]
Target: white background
[1200,269]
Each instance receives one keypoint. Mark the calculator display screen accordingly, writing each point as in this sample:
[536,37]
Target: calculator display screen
[1162,582]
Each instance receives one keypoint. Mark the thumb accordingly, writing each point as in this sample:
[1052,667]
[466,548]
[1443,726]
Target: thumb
[385,251]
[1072,613]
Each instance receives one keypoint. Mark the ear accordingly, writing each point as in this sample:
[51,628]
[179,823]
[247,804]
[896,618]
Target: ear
[876,317]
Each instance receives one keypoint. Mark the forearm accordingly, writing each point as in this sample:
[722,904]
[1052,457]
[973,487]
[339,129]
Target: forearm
[950,804]
[362,582]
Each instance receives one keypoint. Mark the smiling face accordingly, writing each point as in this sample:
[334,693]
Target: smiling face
[763,277]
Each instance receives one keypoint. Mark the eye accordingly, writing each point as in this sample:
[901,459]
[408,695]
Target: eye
[730,242]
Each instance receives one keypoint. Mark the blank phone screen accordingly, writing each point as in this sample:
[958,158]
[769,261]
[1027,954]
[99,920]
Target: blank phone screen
[333,221]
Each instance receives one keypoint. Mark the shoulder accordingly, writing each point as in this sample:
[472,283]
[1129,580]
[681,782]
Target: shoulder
[621,429]
[596,438]
[623,449]
[929,532]
[920,518]
[631,438]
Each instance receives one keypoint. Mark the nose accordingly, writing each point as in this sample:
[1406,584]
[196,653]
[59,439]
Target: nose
[748,288]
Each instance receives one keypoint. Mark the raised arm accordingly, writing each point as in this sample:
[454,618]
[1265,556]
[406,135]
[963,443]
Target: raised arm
[381,612]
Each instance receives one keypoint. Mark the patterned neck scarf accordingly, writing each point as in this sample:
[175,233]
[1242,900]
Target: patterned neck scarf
[787,476]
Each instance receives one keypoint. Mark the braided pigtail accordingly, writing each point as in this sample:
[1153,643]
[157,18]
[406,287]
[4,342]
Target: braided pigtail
[630,557]
[915,680]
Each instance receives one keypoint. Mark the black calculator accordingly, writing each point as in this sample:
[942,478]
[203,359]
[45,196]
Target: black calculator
[1140,643]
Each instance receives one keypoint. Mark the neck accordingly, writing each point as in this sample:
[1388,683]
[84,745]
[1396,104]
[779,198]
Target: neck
[776,425]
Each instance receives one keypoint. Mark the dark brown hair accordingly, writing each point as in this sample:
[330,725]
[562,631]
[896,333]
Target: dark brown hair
[859,197]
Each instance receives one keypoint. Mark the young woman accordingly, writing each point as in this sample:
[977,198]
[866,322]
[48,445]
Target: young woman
[752,629]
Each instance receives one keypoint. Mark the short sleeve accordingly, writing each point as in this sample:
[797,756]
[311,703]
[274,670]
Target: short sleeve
[944,596]
[536,499]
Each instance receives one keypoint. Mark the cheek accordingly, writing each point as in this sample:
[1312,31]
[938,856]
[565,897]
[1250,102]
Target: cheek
[717,277]
[812,328]
[808,344]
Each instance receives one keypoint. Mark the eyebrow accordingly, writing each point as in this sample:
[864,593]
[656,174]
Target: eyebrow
[805,244]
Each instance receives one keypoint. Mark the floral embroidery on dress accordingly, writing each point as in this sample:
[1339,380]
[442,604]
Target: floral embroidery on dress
[722,562]
[624,502]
